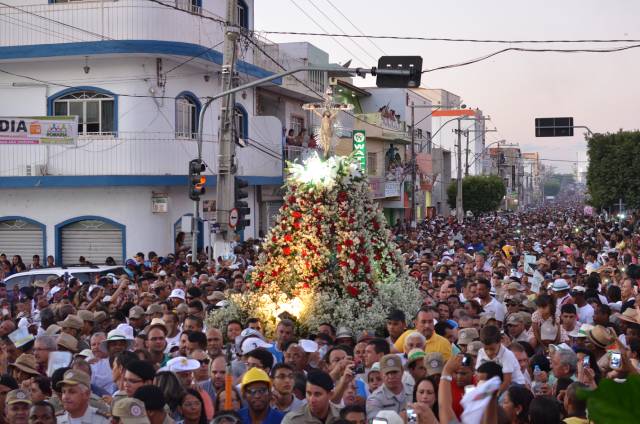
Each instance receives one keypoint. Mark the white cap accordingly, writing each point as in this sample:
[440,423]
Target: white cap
[53,291]
[253,343]
[182,364]
[162,273]
[177,293]
[308,346]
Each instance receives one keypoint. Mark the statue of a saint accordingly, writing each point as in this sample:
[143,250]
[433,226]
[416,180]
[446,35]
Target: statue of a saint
[326,127]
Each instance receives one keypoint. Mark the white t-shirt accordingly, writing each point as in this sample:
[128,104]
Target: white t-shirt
[585,314]
[507,359]
[498,309]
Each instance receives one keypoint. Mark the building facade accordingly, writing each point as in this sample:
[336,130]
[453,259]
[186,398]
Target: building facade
[137,74]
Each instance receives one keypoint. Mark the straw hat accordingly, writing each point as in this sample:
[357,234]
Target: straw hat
[601,336]
[68,342]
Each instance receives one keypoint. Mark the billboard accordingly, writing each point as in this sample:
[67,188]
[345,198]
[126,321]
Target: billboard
[39,130]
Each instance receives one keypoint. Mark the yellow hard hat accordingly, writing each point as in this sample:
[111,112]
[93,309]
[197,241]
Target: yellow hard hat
[254,375]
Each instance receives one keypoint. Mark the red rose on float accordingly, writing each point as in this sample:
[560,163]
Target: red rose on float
[339,249]
[342,196]
[258,284]
[353,291]
[286,250]
[296,225]
[274,239]
[296,214]
[348,242]
[305,286]
[288,238]
[292,199]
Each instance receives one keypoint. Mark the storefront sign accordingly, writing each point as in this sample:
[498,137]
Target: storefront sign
[392,189]
[39,130]
[377,185]
[360,148]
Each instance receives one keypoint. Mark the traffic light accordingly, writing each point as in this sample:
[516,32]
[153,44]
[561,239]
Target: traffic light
[240,193]
[196,180]
[399,71]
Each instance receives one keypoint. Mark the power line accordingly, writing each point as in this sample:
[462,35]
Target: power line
[190,12]
[531,50]
[322,29]
[353,40]
[207,50]
[449,39]
[357,29]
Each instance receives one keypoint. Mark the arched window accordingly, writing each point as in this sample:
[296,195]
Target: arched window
[96,109]
[242,14]
[187,110]
[241,122]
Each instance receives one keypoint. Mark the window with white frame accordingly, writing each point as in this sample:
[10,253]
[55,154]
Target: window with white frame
[186,117]
[95,111]
[193,6]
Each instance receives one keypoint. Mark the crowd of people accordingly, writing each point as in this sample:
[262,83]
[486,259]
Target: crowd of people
[528,308]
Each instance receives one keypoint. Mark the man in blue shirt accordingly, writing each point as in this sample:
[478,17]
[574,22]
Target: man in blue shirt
[256,391]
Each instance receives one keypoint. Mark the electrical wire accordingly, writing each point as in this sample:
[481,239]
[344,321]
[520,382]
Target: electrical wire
[206,50]
[191,12]
[531,50]
[353,40]
[356,27]
[449,39]
[304,12]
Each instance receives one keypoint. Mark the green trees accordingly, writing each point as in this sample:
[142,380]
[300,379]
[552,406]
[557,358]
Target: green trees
[613,169]
[481,193]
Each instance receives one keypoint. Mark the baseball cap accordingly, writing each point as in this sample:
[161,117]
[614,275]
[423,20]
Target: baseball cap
[515,319]
[136,312]
[390,362]
[18,396]
[396,315]
[434,362]
[252,343]
[415,354]
[130,411]
[467,335]
[74,377]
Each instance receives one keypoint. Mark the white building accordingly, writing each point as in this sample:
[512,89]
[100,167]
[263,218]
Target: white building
[136,73]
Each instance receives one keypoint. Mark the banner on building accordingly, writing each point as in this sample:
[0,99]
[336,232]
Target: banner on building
[360,148]
[39,130]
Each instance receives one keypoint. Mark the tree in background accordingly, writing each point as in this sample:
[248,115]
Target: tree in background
[481,193]
[613,172]
[551,187]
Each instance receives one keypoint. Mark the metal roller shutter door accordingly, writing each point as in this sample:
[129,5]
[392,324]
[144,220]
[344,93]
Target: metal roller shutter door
[95,240]
[19,237]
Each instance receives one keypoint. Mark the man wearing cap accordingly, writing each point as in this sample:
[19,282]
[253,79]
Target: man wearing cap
[392,395]
[465,337]
[585,311]
[129,411]
[72,325]
[76,392]
[154,311]
[137,318]
[416,369]
[516,328]
[17,407]
[256,391]
[319,409]
[560,292]
[88,319]
[396,325]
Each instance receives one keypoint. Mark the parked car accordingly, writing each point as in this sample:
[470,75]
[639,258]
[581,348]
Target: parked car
[82,273]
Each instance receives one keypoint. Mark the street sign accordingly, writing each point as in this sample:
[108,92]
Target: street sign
[360,148]
[233,217]
[554,127]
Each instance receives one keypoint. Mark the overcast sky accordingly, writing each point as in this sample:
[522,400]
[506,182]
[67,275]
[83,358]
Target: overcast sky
[598,90]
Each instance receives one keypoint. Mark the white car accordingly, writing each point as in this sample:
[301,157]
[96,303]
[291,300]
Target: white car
[82,273]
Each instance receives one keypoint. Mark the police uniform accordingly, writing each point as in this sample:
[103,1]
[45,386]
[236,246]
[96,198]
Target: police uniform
[95,401]
[92,415]
[383,398]
[303,416]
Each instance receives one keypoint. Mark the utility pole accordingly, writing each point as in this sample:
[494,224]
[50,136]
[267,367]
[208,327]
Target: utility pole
[459,206]
[466,152]
[226,154]
[413,167]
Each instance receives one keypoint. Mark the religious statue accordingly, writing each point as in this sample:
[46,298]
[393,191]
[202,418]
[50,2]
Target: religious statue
[326,128]
[327,113]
